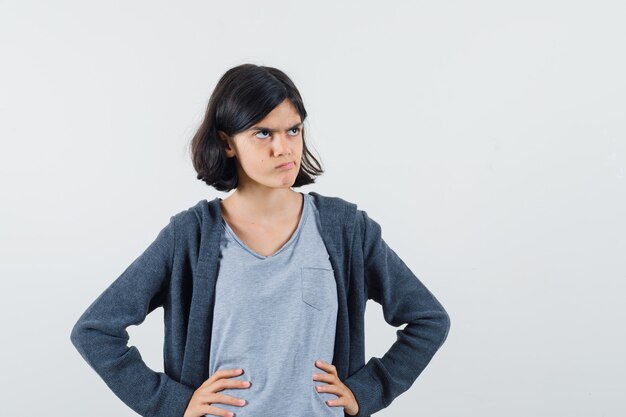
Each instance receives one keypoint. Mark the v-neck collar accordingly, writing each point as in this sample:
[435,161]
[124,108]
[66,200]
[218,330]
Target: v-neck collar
[292,238]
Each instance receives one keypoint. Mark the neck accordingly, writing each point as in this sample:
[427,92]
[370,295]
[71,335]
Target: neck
[263,205]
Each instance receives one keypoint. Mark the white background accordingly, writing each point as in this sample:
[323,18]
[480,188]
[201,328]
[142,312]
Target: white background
[486,137]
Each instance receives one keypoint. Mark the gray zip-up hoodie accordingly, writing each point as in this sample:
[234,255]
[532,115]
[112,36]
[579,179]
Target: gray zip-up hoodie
[178,272]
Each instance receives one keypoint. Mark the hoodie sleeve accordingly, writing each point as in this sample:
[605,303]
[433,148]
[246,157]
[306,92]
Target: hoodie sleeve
[404,300]
[101,338]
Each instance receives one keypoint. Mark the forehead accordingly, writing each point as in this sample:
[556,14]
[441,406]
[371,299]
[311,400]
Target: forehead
[283,116]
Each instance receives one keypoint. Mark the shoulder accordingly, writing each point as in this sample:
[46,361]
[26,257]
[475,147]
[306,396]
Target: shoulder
[344,213]
[190,220]
[333,205]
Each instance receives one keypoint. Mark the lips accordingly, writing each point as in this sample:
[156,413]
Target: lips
[285,165]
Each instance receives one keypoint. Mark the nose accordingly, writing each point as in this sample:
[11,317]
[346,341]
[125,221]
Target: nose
[281,145]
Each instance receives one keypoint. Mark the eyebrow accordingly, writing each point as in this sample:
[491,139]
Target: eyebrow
[274,130]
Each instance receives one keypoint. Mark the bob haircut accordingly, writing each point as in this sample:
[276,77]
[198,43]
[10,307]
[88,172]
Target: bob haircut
[243,96]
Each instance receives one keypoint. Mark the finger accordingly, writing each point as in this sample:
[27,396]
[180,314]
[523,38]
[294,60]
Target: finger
[329,367]
[330,389]
[225,399]
[325,377]
[222,373]
[216,411]
[229,383]
[339,402]
[223,384]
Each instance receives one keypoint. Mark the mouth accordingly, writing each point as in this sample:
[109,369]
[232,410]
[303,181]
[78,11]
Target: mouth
[286,165]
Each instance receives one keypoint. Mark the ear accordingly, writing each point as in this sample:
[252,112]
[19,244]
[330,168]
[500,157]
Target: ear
[228,148]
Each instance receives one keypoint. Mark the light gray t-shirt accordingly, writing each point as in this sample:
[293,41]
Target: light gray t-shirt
[274,316]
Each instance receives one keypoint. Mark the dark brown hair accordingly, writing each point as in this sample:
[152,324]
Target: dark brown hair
[243,96]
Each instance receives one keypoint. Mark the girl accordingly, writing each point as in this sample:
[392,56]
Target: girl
[263,292]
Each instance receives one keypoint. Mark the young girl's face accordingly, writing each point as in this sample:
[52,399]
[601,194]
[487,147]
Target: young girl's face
[275,140]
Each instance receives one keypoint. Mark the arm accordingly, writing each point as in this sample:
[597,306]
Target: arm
[405,300]
[101,338]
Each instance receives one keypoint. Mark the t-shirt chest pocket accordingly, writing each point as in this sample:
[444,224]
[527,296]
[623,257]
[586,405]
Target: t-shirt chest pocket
[319,288]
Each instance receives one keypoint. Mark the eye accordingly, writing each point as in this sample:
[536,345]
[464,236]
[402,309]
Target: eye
[297,129]
[260,131]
